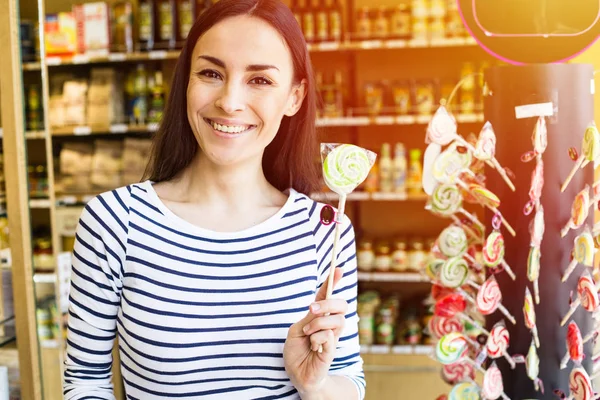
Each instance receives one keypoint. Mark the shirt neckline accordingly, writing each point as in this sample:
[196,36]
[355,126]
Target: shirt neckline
[188,226]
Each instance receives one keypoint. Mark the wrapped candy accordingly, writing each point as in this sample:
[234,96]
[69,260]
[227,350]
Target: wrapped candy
[532,364]
[485,150]
[489,200]
[529,314]
[590,152]
[497,345]
[587,296]
[489,299]
[536,230]
[454,305]
[439,326]
[574,346]
[446,201]
[493,387]
[453,242]
[451,164]
[345,166]
[465,391]
[458,372]
[579,211]
[451,348]
[493,250]
[583,252]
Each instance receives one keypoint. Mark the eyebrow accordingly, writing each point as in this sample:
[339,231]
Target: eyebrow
[249,68]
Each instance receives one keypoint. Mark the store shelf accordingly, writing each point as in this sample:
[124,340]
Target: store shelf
[392,277]
[393,120]
[79,59]
[49,343]
[85,130]
[39,203]
[35,135]
[363,196]
[44,277]
[400,349]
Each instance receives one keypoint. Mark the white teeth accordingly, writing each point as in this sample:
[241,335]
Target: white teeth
[229,129]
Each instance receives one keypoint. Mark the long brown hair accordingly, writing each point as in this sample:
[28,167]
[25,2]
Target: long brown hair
[289,160]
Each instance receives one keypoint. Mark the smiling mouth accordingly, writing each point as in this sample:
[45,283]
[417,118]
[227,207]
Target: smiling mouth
[231,129]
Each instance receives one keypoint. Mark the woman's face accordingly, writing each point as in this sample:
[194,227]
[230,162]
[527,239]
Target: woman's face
[239,89]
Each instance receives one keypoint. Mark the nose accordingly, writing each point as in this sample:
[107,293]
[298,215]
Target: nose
[231,98]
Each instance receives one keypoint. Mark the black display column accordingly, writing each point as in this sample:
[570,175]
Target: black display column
[569,88]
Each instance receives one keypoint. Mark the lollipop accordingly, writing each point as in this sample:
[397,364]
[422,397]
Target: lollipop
[539,140]
[574,346]
[442,128]
[453,242]
[439,326]
[465,391]
[447,201]
[433,268]
[529,314]
[535,190]
[497,343]
[451,348]
[532,364]
[493,387]
[489,299]
[533,270]
[580,384]
[488,199]
[485,150]
[583,249]
[458,372]
[454,305]
[493,253]
[449,166]
[590,152]
[454,272]
[587,296]
[345,167]
[579,211]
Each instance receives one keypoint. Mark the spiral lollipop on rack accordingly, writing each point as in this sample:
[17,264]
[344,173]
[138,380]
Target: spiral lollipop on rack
[536,230]
[587,296]
[489,200]
[590,152]
[529,314]
[497,343]
[539,140]
[537,227]
[433,267]
[493,387]
[583,253]
[458,372]
[493,253]
[451,348]
[453,242]
[454,272]
[451,165]
[579,211]
[446,201]
[532,365]
[345,166]
[465,391]
[454,305]
[485,150]
[574,346]
[535,190]
[439,326]
[580,384]
[489,299]
[442,128]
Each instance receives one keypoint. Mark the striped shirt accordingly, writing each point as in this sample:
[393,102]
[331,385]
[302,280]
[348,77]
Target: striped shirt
[199,313]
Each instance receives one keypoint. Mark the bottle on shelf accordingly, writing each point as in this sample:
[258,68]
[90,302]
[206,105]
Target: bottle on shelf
[308,20]
[363,24]
[385,169]
[334,10]
[399,256]
[415,173]
[333,97]
[186,11]
[381,26]
[122,27]
[383,257]
[372,181]
[167,24]
[157,101]
[146,25]
[140,96]
[321,21]
[468,88]
[35,119]
[399,169]
[400,22]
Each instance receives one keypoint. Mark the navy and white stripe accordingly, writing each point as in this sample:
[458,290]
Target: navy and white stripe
[198,313]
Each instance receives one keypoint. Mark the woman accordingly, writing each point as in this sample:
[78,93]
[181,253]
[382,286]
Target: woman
[213,271]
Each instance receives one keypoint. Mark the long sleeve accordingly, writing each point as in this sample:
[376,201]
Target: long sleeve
[348,361]
[95,295]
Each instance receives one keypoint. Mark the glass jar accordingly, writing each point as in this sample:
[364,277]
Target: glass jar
[417,257]
[365,255]
[399,256]
[383,257]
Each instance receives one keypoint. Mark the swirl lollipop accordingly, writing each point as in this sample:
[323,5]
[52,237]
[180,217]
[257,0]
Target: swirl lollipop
[590,152]
[433,268]
[485,150]
[442,128]
[532,364]
[579,211]
[539,140]
[439,326]
[453,305]
[447,201]
[454,272]
[529,314]
[535,190]
[537,227]
[533,270]
[458,372]
[465,391]
[345,166]
[580,384]
[451,348]
[497,343]
[493,253]
[489,200]
[493,387]
[587,296]
[489,299]
[574,346]
[453,242]
[583,253]
[451,165]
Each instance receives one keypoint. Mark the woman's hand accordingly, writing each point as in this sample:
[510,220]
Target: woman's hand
[306,367]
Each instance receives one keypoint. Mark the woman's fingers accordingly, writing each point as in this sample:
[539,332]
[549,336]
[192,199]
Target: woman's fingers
[331,306]
[335,323]
[324,339]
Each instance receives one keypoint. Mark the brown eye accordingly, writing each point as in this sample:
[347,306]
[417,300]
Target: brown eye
[261,81]
[209,73]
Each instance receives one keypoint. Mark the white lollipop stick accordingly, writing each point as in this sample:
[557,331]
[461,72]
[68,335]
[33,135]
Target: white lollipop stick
[578,164]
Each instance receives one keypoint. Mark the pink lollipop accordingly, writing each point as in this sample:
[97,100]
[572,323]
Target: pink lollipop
[497,343]
[489,299]
[539,140]
[485,150]
[493,253]
[574,346]
[441,326]
[580,385]
[587,296]
[583,252]
[442,128]
[529,314]
[537,227]
[458,372]
[537,184]
[579,211]
[493,387]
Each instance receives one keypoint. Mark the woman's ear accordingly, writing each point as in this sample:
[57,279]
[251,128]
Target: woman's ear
[296,98]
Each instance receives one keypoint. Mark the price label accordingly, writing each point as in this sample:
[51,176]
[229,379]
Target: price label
[405,120]
[118,128]
[534,110]
[371,44]
[380,349]
[328,46]
[80,59]
[384,120]
[68,200]
[402,350]
[157,55]
[152,127]
[53,61]
[82,130]
[395,44]
[117,57]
